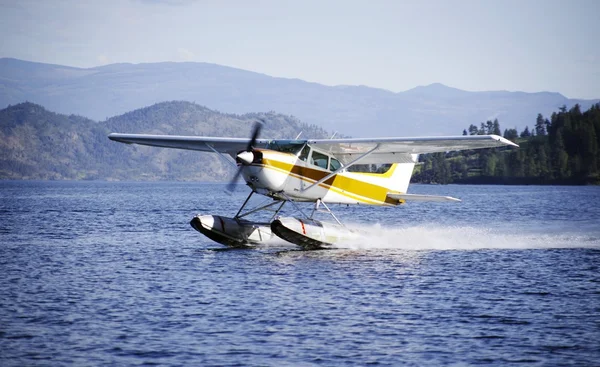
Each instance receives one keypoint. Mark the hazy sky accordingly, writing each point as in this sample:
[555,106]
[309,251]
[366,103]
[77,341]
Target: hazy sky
[396,45]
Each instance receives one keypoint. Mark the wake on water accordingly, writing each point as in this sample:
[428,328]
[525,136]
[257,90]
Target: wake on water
[435,237]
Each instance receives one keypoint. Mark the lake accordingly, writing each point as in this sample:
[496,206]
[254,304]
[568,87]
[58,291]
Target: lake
[112,273]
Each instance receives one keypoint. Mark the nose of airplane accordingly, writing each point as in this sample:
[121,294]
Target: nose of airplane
[246,157]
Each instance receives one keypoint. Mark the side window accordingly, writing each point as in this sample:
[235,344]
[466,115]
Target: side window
[334,164]
[319,159]
[304,154]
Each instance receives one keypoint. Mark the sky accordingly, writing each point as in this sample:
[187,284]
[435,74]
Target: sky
[525,45]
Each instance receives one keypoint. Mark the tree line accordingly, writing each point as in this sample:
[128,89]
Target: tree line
[562,149]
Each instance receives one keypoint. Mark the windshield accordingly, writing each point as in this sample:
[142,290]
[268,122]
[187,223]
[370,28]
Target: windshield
[290,146]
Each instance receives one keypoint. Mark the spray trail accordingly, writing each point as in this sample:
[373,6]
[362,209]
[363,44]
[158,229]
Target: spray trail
[435,237]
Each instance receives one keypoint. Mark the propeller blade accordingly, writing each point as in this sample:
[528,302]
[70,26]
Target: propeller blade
[231,185]
[246,156]
[257,128]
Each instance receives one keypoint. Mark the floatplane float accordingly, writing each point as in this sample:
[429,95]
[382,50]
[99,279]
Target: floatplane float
[314,171]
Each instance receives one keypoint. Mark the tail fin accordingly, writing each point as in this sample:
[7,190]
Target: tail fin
[400,177]
[401,173]
[397,178]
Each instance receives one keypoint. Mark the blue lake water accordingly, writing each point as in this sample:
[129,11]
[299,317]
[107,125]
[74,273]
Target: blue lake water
[112,273]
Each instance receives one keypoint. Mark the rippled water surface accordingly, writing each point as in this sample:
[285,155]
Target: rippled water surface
[112,273]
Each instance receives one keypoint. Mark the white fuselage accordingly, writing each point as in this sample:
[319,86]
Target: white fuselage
[284,174]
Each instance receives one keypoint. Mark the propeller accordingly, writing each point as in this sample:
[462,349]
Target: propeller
[246,157]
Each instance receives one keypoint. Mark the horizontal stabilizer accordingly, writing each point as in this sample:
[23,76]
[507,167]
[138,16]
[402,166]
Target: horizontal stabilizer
[414,197]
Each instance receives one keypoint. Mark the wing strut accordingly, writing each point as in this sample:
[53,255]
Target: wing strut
[221,155]
[342,168]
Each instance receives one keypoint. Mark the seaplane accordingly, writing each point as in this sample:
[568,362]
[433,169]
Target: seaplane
[315,171]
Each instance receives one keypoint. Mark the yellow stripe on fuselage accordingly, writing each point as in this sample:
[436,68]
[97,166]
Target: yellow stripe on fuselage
[353,188]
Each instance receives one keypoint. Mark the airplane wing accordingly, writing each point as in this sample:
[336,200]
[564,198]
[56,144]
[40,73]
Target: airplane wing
[400,150]
[201,143]
[375,150]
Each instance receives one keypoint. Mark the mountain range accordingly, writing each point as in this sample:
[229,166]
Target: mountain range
[360,111]
[39,144]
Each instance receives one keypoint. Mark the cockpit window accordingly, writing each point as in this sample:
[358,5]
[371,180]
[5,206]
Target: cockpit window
[370,168]
[334,164]
[319,159]
[304,154]
[286,147]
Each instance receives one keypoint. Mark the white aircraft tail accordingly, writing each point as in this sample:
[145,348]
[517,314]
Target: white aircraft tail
[399,181]
[396,179]
[400,177]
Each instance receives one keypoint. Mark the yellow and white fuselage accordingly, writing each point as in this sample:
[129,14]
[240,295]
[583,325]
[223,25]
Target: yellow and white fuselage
[286,176]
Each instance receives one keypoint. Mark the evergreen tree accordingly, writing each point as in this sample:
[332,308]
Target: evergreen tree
[511,134]
[441,169]
[540,125]
[547,125]
[489,169]
[543,164]
[489,127]
[473,130]
[560,157]
[496,128]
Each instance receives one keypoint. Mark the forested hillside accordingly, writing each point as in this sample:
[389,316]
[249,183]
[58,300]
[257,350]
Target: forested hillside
[562,149]
[39,144]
